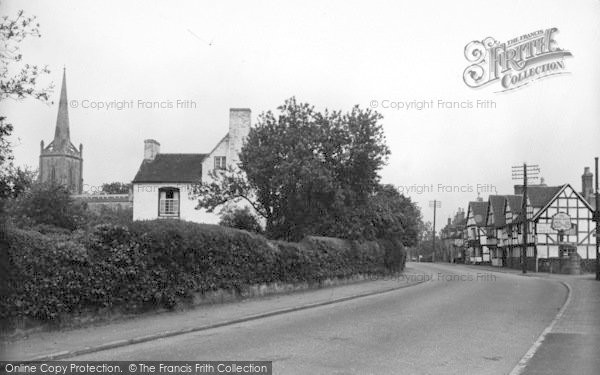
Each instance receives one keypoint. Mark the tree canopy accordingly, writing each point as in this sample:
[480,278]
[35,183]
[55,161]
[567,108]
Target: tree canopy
[310,172]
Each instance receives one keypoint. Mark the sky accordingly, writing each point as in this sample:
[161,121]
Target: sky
[332,54]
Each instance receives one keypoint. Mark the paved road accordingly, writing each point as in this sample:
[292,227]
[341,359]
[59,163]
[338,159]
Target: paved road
[463,321]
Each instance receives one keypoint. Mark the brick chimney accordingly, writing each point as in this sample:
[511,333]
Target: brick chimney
[151,149]
[239,127]
[587,188]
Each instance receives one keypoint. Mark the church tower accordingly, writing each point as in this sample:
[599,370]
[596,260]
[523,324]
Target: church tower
[61,162]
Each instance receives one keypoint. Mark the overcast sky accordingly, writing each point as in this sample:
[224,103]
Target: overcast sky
[333,54]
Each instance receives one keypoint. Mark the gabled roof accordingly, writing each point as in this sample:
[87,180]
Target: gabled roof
[539,196]
[496,204]
[515,202]
[171,168]
[556,194]
[479,211]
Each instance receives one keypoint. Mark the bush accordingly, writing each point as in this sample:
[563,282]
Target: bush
[48,204]
[162,263]
[105,215]
[240,218]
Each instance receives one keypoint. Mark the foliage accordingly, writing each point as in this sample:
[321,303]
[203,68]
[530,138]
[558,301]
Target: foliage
[17,81]
[23,83]
[49,204]
[240,218]
[6,129]
[116,188]
[106,215]
[305,170]
[162,263]
[16,181]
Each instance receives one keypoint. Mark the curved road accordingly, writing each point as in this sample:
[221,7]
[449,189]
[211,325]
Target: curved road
[460,322]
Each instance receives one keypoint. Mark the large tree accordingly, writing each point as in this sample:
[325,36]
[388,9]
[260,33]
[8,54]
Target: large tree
[18,81]
[304,171]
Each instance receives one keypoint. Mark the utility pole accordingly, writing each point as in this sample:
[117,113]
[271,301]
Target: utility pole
[519,172]
[435,204]
[597,220]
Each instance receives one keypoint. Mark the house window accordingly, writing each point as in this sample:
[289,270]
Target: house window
[220,162]
[168,202]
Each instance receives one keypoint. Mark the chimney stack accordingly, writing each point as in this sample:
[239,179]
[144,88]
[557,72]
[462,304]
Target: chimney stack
[587,188]
[151,149]
[239,127]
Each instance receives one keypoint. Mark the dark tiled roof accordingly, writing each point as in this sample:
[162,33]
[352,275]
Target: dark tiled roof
[497,205]
[479,210]
[171,168]
[539,196]
[515,202]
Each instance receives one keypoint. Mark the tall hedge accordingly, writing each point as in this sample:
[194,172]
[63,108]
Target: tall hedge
[161,263]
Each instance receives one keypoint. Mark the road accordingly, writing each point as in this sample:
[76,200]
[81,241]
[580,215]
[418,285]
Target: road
[461,322]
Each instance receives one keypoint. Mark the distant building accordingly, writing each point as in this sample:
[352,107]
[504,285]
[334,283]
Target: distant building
[477,249]
[587,187]
[61,162]
[452,238]
[163,183]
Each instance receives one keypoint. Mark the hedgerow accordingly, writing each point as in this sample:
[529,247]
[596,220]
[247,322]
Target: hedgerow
[162,263]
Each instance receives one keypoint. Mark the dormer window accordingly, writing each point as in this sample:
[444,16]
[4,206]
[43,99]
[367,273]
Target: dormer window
[220,163]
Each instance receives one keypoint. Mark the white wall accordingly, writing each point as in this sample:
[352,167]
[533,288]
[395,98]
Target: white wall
[209,162]
[145,203]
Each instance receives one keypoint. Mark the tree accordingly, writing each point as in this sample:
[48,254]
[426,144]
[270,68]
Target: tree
[49,204]
[305,171]
[21,83]
[240,218]
[16,181]
[395,216]
[116,188]
[17,81]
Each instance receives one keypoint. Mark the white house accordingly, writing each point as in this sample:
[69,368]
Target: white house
[162,184]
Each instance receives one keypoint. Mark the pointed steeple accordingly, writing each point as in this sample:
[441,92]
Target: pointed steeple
[61,134]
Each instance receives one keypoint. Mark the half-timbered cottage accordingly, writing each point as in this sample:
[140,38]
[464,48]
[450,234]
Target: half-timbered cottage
[476,236]
[563,220]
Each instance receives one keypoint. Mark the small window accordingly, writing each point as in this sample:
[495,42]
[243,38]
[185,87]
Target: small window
[168,202]
[220,163]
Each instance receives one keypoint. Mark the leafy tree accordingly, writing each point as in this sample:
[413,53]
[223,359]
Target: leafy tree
[20,83]
[16,181]
[240,218]
[395,216]
[49,204]
[116,188]
[304,171]
[17,81]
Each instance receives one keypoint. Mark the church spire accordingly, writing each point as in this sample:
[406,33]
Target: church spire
[61,134]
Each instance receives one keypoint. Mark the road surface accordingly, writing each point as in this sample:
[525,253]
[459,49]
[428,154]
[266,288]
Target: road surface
[462,321]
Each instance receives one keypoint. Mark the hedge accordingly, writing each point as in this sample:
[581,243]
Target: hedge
[162,263]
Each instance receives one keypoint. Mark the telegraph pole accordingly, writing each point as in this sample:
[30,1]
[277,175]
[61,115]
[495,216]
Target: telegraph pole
[597,220]
[519,172]
[435,204]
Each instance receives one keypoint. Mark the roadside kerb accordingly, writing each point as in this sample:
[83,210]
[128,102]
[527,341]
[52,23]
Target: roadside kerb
[165,334]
